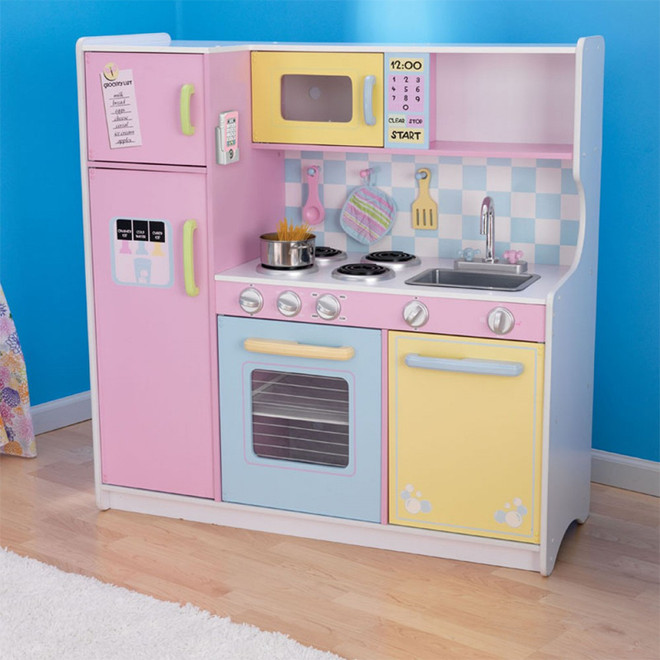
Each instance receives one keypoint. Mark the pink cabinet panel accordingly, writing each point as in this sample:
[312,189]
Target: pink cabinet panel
[153,339]
[134,107]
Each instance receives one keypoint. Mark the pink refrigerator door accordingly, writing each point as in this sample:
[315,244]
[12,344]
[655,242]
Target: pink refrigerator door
[145,107]
[153,339]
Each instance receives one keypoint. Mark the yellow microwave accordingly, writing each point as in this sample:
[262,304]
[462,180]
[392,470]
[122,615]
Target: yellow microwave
[336,98]
[317,98]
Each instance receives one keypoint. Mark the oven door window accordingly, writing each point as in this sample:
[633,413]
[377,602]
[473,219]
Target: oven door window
[299,417]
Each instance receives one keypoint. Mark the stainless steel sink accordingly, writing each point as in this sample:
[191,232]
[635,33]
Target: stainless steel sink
[467,279]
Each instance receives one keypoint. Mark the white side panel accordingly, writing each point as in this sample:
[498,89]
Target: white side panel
[571,326]
[89,280]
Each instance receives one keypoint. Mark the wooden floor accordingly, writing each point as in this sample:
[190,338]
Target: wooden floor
[601,602]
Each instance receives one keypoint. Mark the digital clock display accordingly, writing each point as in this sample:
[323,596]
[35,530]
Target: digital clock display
[407,64]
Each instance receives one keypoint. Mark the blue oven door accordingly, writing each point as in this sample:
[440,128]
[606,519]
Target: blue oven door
[300,417]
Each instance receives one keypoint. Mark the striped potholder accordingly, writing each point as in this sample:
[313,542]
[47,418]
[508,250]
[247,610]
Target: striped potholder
[368,214]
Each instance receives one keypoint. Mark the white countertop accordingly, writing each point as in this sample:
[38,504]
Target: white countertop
[537,293]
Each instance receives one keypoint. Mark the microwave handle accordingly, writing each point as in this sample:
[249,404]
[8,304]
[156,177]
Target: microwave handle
[294,349]
[465,365]
[368,100]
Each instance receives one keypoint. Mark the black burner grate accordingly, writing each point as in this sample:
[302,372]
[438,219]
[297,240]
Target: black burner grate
[287,268]
[362,270]
[324,252]
[390,256]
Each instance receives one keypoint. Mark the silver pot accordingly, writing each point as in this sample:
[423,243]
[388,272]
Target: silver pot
[286,254]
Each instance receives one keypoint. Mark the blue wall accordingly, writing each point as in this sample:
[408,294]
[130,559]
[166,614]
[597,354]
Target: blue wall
[41,242]
[41,261]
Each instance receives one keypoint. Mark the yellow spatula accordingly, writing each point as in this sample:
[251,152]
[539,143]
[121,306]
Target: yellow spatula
[424,209]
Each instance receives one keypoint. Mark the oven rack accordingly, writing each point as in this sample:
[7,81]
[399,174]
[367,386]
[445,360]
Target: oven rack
[300,418]
[303,397]
[311,447]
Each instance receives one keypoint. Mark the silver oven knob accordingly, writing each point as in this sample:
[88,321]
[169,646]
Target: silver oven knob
[250,300]
[328,307]
[415,314]
[288,303]
[501,321]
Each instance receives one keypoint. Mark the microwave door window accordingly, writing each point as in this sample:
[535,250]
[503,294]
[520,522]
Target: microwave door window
[303,418]
[316,98]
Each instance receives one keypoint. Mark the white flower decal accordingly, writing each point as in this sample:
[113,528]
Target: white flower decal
[512,515]
[413,502]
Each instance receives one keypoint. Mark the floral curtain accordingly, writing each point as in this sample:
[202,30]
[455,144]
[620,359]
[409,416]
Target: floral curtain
[16,432]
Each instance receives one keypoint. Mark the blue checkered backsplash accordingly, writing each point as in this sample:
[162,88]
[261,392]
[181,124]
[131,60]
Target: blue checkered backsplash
[536,202]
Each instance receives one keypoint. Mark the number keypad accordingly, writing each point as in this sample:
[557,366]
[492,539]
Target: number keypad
[406,93]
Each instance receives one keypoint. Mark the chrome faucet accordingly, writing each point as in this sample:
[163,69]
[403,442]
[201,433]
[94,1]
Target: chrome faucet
[487,227]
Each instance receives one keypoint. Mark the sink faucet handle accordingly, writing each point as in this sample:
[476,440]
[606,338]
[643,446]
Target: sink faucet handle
[513,256]
[469,253]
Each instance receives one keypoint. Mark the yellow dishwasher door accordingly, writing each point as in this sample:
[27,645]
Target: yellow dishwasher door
[465,434]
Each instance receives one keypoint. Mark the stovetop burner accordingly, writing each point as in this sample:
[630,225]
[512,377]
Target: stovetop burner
[325,251]
[289,273]
[324,254]
[393,258]
[390,255]
[363,272]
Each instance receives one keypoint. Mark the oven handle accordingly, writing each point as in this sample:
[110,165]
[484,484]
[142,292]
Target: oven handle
[465,365]
[294,349]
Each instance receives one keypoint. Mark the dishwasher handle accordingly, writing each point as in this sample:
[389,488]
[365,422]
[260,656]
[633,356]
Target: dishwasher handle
[294,349]
[465,365]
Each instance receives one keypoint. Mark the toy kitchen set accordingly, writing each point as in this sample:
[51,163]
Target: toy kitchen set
[345,292]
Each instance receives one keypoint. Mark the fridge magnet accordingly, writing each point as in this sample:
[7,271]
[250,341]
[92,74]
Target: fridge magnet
[141,252]
[121,112]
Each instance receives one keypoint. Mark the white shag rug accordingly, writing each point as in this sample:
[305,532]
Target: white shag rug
[47,613]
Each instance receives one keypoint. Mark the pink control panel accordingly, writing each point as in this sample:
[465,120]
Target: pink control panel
[474,318]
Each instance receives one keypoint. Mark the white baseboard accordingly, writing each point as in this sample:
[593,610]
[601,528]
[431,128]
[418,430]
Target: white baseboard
[606,468]
[61,412]
[625,472]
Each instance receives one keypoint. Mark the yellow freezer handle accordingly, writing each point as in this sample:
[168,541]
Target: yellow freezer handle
[192,289]
[184,105]
[294,349]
